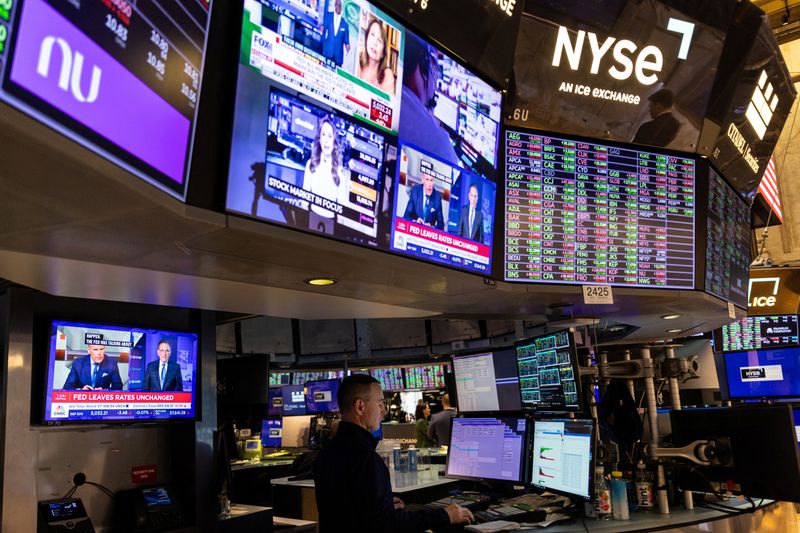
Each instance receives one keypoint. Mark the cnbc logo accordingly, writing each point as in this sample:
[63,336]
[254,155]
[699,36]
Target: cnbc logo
[762,105]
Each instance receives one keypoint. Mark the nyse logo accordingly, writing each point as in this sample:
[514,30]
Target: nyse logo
[69,77]
[762,105]
[754,373]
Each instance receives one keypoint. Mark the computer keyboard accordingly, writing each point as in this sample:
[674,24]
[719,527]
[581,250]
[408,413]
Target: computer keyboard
[484,510]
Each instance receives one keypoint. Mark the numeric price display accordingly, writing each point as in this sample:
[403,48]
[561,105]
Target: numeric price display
[585,212]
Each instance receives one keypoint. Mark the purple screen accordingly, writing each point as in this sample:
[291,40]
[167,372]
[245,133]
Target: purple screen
[487,448]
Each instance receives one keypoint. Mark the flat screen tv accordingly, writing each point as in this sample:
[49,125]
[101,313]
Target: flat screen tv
[294,400]
[548,372]
[107,373]
[275,402]
[765,373]
[321,396]
[487,382]
[757,332]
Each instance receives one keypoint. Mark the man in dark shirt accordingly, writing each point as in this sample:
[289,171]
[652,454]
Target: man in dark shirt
[664,127]
[353,487]
[441,422]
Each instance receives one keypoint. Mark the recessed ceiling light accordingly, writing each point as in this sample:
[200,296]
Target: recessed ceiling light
[321,282]
[674,330]
[670,317]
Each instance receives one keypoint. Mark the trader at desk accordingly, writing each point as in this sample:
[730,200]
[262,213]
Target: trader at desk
[352,483]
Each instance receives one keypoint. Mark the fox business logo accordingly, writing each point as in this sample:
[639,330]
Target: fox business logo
[762,105]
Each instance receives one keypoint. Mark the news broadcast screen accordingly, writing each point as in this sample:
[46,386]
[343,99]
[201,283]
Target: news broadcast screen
[765,373]
[103,372]
[321,396]
[334,99]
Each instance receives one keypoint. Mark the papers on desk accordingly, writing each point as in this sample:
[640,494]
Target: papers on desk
[550,520]
[491,527]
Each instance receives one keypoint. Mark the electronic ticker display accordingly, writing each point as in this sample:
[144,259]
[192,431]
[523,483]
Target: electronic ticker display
[390,378]
[728,242]
[587,212]
[425,377]
[120,77]
[756,332]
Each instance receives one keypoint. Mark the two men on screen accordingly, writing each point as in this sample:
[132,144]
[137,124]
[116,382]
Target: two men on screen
[163,374]
[94,371]
[470,223]
[425,204]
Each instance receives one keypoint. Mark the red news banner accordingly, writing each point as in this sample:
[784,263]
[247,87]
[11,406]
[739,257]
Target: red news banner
[94,397]
[440,241]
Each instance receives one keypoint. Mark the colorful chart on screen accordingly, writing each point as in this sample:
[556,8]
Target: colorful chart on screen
[586,212]
[390,378]
[120,77]
[756,332]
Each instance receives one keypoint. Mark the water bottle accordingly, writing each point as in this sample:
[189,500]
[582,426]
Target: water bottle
[412,458]
[396,457]
[602,495]
[644,488]
[619,496]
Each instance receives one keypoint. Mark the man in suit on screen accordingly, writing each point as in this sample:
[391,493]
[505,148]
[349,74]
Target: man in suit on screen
[94,371]
[425,204]
[163,374]
[470,223]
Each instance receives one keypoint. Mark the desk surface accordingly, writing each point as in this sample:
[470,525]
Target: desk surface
[263,463]
[402,482]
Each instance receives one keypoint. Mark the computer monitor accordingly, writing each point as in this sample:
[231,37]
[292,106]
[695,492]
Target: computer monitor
[562,456]
[491,449]
[321,396]
[271,433]
[275,402]
[765,373]
[763,449]
[487,382]
[548,373]
[757,332]
[796,414]
[294,400]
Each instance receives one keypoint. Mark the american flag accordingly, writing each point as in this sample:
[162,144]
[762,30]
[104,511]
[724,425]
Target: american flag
[769,189]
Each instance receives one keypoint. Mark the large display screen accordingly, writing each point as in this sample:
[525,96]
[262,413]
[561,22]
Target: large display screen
[587,212]
[120,77]
[390,378]
[301,377]
[271,433]
[766,373]
[349,125]
[425,377]
[548,367]
[728,242]
[102,372]
[276,379]
[487,382]
[487,448]
[321,396]
[756,332]
[294,400]
[562,456]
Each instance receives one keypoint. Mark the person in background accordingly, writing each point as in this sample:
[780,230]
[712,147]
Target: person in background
[439,427]
[94,371]
[664,127]
[351,481]
[422,415]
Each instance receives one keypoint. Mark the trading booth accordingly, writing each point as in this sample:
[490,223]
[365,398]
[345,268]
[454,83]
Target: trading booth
[528,218]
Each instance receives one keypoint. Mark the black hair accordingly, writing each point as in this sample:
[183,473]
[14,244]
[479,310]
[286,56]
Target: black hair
[664,97]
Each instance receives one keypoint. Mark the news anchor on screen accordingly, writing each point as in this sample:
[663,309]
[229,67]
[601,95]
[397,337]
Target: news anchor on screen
[470,223]
[425,204]
[163,375]
[373,65]
[324,175]
[335,35]
[94,371]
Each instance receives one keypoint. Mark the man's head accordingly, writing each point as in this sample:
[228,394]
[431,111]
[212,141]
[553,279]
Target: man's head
[427,184]
[337,6]
[361,401]
[660,101]
[421,71]
[97,353]
[446,401]
[164,351]
[473,196]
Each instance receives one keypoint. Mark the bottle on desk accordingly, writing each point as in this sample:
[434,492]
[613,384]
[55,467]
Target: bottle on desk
[412,458]
[619,496]
[644,488]
[602,496]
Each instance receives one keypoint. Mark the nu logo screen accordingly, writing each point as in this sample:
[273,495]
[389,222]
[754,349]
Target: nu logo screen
[762,105]
[69,78]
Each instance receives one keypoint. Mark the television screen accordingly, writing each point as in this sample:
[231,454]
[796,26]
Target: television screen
[294,400]
[321,396]
[276,379]
[562,456]
[425,377]
[487,448]
[275,402]
[487,382]
[548,367]
[99,372]
[390,378]
[271,433]
[302,377]
[68,63]
[728,242]
[588,212]
[335,134]
[756,332]
[765,373]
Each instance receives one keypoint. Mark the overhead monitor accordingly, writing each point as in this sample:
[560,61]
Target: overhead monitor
[767,373]
[321,396]
[760,454]
[302,377]
[487,382]
[276,379]
[275,402]
[728,239]
[563,450]
[271,433]
[425,377]
[294,400]
[335,135]
[548,372]
[491,449]
[113,373]
[756,332]
[121,78]
[579,211]
[390,378]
